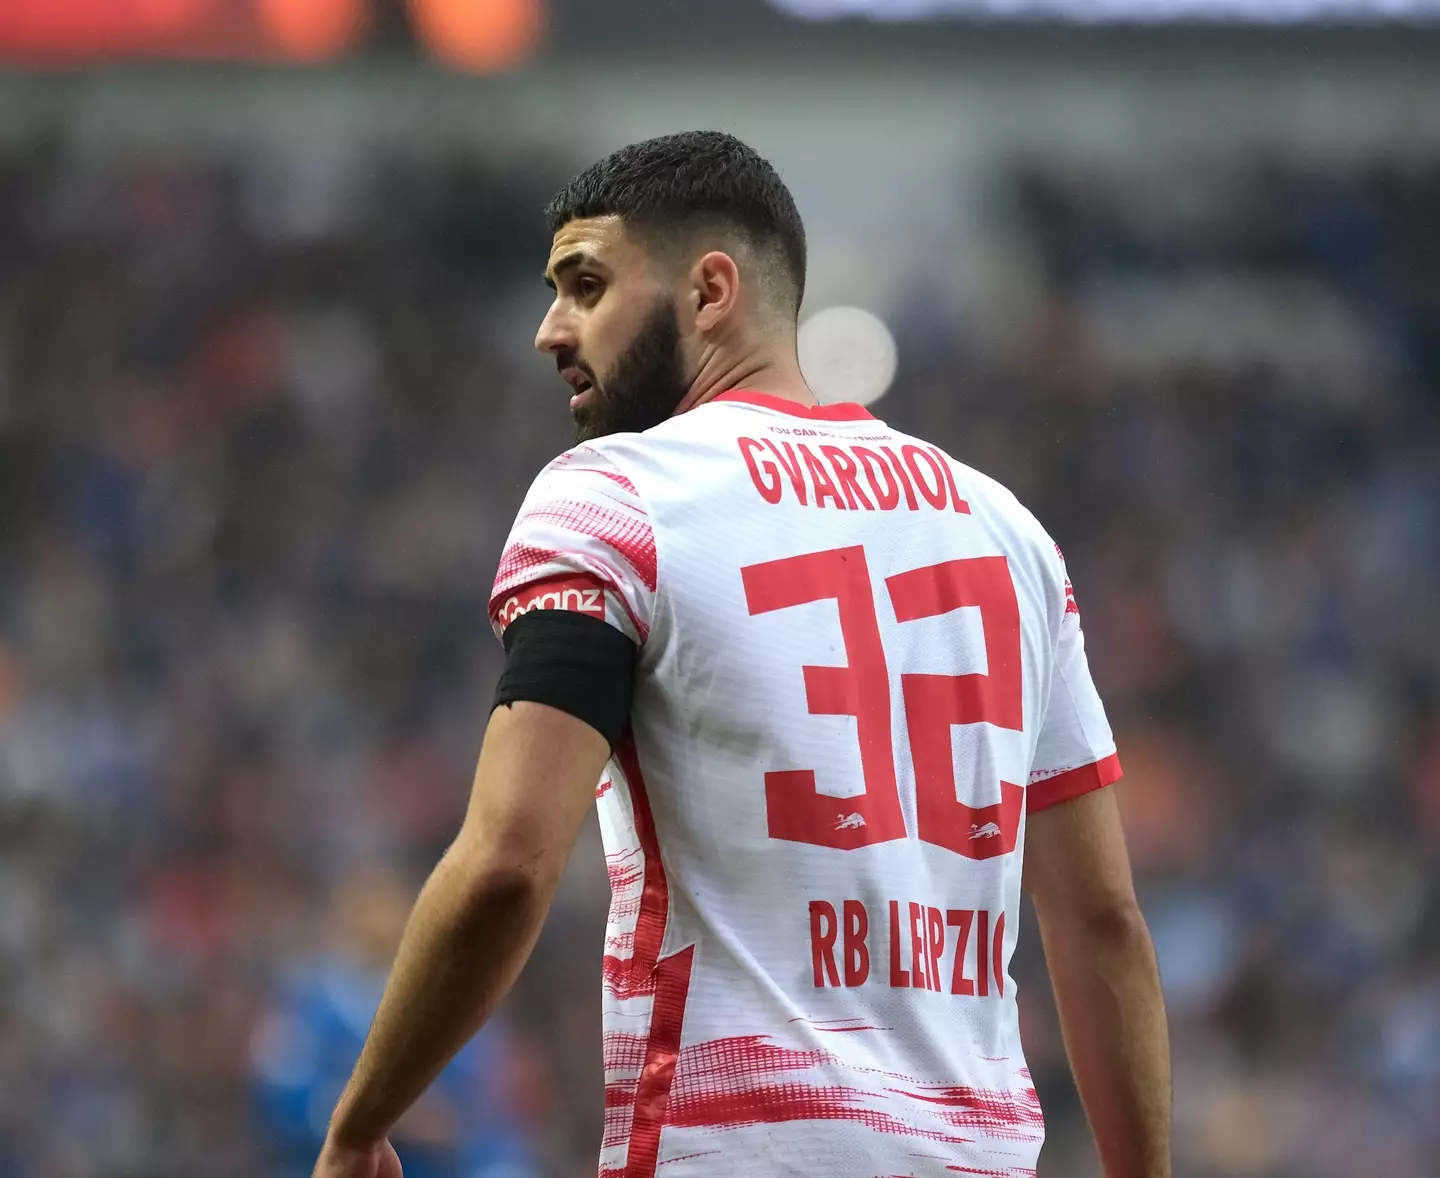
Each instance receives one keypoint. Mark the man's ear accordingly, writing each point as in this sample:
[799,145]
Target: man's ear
[715,283]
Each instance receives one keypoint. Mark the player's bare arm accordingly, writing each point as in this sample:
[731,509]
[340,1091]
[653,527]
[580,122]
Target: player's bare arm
[474,924]
[1107,987]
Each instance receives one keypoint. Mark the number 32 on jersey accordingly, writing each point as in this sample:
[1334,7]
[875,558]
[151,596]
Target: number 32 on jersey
[795,811]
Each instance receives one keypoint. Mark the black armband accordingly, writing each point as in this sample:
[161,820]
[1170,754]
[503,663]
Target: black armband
[572,662]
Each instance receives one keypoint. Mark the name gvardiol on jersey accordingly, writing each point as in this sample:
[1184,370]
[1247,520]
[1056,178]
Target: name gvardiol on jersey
[849,476]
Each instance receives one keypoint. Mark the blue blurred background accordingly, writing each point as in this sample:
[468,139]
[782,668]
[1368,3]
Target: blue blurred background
[268,405]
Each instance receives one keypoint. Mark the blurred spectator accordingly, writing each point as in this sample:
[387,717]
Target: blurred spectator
[468,1125]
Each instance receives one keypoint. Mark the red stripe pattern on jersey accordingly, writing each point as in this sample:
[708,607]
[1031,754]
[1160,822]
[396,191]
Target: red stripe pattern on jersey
[630,537]
[643,891]
[1071,607]
[583,515]
[657,1076]
[613,475]
[751,1080]
[640,1069]
[627,535]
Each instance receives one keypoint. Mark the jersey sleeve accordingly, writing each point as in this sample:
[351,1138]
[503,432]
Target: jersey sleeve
[1075,752]
[583,542]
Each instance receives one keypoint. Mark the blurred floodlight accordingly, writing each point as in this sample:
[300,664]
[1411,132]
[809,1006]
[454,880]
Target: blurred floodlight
[847,354]
[307,30]
[482,36]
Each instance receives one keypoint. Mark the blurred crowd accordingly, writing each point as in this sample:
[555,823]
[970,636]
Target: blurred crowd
[264,423]
[258,451]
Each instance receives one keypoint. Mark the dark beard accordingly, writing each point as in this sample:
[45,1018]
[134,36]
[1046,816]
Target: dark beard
[645,384]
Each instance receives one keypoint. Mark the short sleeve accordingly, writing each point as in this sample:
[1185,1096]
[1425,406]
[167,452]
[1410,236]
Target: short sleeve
[582,541]
[1075,752]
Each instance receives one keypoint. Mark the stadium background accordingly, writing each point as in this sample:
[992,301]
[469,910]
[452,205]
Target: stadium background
[268,281]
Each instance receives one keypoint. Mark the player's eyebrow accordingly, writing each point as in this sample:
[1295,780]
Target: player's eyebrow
[569,262]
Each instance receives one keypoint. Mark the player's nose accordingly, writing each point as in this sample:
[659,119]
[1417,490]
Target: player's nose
[556,334]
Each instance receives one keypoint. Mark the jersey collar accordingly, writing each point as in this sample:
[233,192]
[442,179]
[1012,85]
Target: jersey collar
[843,411]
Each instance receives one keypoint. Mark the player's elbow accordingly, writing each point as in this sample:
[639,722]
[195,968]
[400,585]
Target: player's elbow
[1112,918]
[1119,921]
[505,876]
[1115,926]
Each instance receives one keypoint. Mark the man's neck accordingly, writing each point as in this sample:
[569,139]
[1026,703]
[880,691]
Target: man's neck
[760,374]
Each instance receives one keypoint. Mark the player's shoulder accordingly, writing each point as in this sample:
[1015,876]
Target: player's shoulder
[593,464]
[627,459]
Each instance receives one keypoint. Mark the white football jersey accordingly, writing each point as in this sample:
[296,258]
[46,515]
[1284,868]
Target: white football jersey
[860,666]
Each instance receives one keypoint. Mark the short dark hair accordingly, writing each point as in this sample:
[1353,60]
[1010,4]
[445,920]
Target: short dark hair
[677,184]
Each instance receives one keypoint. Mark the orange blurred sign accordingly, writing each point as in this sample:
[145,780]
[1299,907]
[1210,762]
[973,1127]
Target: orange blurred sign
[72,30]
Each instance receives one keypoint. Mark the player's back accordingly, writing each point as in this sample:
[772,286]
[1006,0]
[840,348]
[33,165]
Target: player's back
[843,702]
